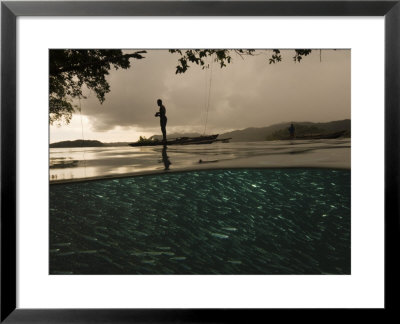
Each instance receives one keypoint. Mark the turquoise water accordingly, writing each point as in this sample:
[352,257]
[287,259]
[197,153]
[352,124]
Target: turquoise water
[243,221]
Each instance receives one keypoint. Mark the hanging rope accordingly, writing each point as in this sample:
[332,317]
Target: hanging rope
[208,96]
[83,138]
[204,108]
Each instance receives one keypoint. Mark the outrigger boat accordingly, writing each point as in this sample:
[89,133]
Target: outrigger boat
[181,141]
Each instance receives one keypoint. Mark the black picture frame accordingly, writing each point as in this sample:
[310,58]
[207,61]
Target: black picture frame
[10,10]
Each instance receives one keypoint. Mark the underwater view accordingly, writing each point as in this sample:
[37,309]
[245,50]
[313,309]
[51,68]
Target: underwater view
[241,221]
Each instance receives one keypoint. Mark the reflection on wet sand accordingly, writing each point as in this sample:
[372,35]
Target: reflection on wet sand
[165,158]
[79,163]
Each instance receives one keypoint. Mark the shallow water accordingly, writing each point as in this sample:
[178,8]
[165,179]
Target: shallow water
[92,162]
[244,221]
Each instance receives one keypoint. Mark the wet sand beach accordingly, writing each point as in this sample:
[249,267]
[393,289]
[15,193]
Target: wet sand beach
[89,163]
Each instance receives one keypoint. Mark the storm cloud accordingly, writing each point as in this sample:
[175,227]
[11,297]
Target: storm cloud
[248,92]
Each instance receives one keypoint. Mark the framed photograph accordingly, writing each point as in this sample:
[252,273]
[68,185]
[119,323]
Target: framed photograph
[197,161]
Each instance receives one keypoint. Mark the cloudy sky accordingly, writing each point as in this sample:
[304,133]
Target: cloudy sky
[247,93]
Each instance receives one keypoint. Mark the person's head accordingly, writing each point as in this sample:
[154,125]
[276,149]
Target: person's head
[159,102]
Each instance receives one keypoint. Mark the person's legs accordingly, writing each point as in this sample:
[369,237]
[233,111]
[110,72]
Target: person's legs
[164,133]
[164,130]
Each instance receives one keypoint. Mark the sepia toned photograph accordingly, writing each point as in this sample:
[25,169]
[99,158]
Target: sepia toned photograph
[200,161]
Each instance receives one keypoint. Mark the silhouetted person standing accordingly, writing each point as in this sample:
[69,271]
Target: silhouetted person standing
[163,119]
[291,130]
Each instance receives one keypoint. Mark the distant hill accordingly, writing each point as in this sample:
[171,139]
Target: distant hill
[264,133]
[77,143]
[86,143]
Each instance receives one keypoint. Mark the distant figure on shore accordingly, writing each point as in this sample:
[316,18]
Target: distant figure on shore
[163,119]
[165,158]
[291,130]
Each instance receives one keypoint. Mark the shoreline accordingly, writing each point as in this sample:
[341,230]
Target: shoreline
[199,168]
